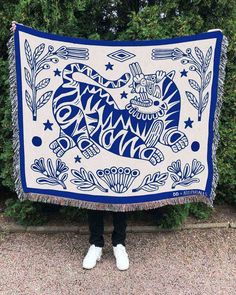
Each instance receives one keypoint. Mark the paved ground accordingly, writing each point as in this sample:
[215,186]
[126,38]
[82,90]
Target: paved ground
[194,262]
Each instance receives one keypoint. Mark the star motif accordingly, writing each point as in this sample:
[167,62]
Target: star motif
[77,159]
[109,66]
[57,73]
[184,73]
[123,94]
[188,123]
[47,125]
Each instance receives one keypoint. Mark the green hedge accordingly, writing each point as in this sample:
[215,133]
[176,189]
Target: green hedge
[131,20]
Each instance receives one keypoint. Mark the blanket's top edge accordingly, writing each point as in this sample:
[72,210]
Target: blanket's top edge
[206,35]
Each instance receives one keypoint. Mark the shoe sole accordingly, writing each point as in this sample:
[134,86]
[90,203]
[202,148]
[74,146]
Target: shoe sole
[123,268]
[99,259]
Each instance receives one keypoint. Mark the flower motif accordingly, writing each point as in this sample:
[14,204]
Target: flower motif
[197,167]
[173,54]
[39,165]
[61,167]
[70,52]
[177,54]
[61,52]
[175,168]
[187,176]
[52,176]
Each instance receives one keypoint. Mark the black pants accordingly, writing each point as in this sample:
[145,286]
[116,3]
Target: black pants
[96,227]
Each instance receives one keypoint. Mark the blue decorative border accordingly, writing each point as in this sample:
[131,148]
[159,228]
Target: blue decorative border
[127,199]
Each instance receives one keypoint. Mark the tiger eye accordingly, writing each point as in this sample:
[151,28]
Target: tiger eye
[156,103]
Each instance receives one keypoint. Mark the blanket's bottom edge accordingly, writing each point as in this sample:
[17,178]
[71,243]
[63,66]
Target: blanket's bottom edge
[116,207]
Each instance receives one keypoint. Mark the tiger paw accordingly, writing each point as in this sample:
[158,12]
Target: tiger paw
[153,155]
[61,145]
[180,144]
[88,148]
[156,158]
[160,75]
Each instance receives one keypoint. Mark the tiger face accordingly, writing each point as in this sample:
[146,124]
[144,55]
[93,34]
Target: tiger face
[148,90]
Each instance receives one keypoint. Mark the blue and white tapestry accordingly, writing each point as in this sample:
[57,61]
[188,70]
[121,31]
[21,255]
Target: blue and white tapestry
[116,125]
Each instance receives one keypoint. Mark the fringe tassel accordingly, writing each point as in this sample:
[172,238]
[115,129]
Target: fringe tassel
[105,206]
[116,207]
[220,92]
[15,127]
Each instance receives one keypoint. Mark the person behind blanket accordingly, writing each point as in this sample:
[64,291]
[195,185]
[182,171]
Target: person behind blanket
[96,239]
[96,227]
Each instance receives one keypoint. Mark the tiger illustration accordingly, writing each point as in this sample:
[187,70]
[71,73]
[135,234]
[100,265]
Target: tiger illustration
[90,119]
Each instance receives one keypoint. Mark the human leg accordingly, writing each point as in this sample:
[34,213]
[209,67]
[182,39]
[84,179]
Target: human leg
[96,240]
[96,227]
[119,231]
[118,240]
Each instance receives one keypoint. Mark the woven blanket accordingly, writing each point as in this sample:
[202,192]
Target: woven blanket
[116,125]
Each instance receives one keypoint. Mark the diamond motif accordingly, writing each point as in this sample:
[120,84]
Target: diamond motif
[121,55]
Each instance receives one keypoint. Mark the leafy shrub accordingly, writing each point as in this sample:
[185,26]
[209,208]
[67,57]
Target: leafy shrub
[200,210]
[171,216]
[24,213]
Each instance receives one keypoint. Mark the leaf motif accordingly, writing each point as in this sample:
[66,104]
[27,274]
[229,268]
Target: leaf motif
[44,99]
[50,167]
[28,100]
[161,178]
[84,174]
[194,85]
[92,178]
[35,168]
[186,171]
[205,101]
[28,53]
[75,181]
[171,169]
[86,180]
[80,175]
[85,186]
[27,77]
[197,168]
[192,99]
[146,180]
[44,180]
[208,78]
[151,184]
[208,58]
[77,174]
[155,176]
[188,181]
[38,51]
[43,83]
[150,187]
[199,54]
[143,183]
[64,177]
[174,177]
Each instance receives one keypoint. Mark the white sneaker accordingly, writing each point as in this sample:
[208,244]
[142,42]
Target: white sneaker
[122,259]
[93,255]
